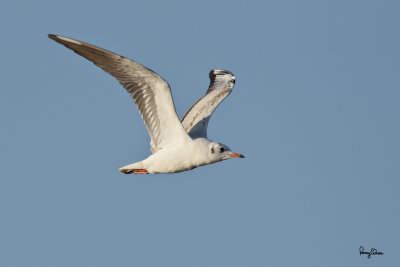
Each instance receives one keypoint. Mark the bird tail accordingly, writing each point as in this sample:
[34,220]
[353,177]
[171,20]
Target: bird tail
[133,168]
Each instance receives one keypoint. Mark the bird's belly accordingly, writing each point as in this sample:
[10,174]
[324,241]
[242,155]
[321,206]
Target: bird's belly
[172,162]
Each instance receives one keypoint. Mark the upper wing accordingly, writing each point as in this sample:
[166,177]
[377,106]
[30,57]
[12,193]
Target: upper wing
[196,118]
[149,91]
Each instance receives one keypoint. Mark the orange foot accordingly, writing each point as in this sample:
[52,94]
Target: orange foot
[140,171]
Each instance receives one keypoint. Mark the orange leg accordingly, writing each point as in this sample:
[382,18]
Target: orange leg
[140,171]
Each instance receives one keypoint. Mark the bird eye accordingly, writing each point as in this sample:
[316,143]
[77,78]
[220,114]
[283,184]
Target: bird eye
[212,150]
[221,149]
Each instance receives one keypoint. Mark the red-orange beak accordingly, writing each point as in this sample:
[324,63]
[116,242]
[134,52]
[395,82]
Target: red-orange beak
[236,155]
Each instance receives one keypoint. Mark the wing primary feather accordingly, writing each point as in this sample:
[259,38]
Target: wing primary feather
[150,92]
[195,121]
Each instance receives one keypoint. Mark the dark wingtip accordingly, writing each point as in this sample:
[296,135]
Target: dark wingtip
[219,72]
[216,74]
[52,36]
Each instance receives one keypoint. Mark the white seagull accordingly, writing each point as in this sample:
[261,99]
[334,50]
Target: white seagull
[176,145]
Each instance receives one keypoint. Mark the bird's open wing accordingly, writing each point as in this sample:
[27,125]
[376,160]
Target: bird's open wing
[149,91]
[196,118]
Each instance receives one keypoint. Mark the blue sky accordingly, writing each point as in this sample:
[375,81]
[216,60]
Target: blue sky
[315,110]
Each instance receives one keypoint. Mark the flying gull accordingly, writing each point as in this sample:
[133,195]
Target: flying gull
[176,145]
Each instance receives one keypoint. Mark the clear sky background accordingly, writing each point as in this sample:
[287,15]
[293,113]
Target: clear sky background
[315,110]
